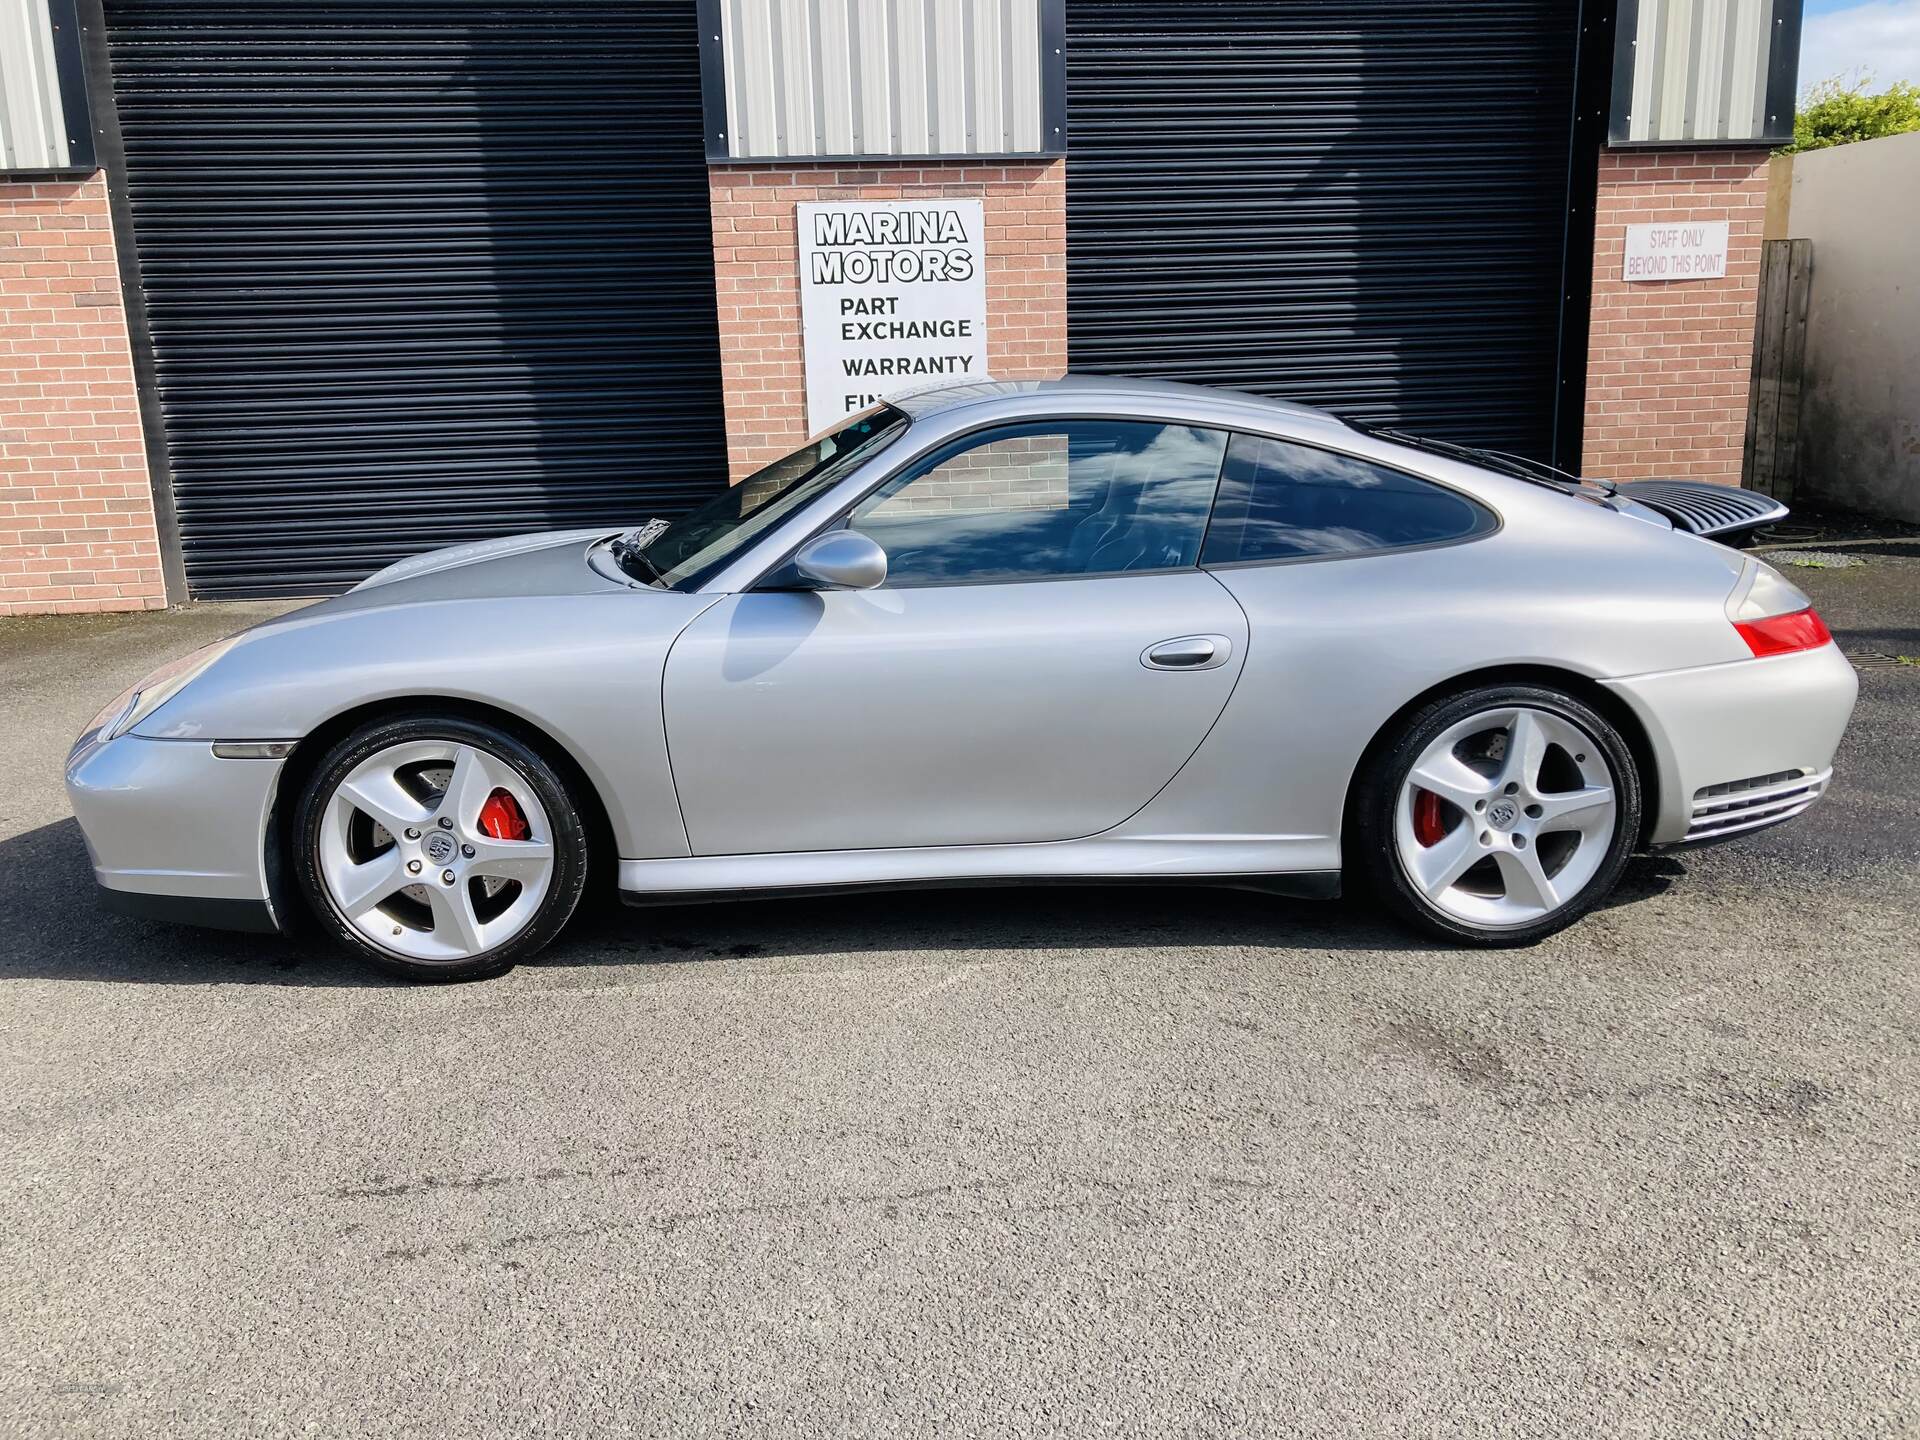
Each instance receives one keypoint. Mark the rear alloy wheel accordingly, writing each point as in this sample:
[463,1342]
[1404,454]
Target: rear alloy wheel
[1500,816]
[442,849]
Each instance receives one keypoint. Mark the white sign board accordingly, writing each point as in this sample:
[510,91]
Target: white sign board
[893,297]
[1689,250]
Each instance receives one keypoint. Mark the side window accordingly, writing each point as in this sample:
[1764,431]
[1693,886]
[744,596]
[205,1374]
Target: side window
[1280,501]
[1045,500]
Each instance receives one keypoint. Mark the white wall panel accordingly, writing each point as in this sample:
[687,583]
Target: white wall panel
[1701,71]
[881,77]
[33,131]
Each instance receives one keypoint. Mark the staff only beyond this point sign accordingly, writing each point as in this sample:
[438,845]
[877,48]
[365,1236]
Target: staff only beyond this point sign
[893,297]
[1687,250]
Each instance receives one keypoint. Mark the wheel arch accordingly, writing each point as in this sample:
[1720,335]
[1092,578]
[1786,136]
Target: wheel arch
[305,758]
[1583,688]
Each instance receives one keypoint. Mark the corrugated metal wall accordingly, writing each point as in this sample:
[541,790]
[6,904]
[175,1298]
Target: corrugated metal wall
[418,273]
[33,127]
[881,77]
[1707,70]
[1361,206]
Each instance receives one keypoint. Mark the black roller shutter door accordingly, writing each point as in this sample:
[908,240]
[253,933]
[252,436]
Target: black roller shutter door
[1360,205]
[417,274]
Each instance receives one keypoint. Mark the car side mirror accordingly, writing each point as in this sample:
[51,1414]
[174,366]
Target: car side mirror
[841,560]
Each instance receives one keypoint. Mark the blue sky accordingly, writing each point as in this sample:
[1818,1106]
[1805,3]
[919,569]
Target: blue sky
[1843,36]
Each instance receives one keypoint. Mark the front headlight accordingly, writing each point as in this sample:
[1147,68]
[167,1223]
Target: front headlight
[154,691]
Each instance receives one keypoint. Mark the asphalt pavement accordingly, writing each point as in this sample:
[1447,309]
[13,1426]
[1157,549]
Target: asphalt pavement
[977,1163]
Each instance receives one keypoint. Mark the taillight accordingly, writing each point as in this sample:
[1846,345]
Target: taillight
[1783,634]
[1772,615]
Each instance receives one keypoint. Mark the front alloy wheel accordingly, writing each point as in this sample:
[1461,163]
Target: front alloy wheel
[1500,816]
[441,849]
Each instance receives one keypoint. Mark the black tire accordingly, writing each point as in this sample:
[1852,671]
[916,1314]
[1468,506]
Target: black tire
[1373,855]
[570,842]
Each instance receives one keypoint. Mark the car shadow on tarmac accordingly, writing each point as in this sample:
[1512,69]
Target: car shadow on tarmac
[57,930]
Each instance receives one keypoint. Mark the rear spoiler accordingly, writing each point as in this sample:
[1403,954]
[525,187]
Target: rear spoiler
[1700,507]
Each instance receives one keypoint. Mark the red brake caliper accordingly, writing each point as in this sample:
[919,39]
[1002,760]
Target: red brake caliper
[500,817]
[1428,826]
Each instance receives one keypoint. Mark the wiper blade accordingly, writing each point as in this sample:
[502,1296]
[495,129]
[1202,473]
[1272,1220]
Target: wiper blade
[630,551]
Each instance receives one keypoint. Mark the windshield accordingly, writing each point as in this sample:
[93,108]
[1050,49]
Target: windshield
[702,539]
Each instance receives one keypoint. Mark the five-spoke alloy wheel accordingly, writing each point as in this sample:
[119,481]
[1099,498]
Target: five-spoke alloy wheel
[442,848]
[1499,815]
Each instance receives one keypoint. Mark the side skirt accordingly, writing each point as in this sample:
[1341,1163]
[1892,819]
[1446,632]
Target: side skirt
[1277,864]
[1299,885]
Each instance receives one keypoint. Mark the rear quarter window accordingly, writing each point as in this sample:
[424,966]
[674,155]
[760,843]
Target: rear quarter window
[1283,501]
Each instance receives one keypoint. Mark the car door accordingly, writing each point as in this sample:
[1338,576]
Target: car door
[1042,658]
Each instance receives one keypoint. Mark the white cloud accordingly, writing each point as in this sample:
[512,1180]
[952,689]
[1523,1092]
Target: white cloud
[1882,37]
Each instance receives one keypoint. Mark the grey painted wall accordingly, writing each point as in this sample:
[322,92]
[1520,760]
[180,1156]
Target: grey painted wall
[1860,425]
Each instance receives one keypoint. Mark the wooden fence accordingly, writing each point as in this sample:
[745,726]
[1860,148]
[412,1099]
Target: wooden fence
[1771,462]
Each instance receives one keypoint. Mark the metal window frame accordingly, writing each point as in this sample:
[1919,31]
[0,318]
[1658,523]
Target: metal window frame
[1783,70]
[91,37]
[1592,59]
[1053,104]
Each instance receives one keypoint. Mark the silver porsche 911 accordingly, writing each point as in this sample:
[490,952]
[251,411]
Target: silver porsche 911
[1069,631]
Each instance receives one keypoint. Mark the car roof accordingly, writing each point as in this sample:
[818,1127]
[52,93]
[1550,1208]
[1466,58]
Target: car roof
[1167,398]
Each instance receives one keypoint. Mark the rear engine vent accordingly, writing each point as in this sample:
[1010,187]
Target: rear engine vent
[1736,805]
[1702,508]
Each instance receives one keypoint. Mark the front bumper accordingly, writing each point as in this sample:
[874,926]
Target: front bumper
[1742,745]
[175,832]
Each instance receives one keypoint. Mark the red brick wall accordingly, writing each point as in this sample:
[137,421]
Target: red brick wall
[76,508]
[756,252]
[1026,472]
[1668,361]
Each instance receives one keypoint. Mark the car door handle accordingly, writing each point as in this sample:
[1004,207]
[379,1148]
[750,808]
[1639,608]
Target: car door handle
[1188,652]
